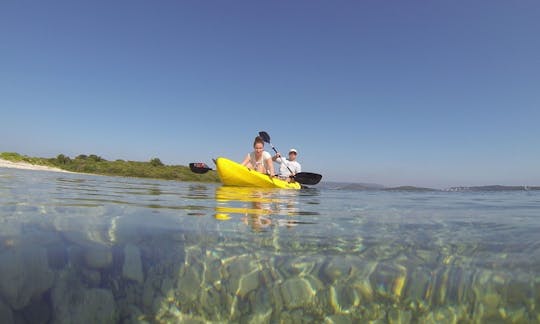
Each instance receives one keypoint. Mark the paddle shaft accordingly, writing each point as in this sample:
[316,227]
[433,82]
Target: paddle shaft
[281,157]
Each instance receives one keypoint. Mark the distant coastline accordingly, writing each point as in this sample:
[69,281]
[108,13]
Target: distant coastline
[373,187]
[94,164]
[494,188]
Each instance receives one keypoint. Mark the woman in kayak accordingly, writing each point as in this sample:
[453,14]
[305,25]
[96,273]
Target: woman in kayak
[259,159]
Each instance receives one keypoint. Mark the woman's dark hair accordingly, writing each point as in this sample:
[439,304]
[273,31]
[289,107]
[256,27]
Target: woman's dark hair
[258,139]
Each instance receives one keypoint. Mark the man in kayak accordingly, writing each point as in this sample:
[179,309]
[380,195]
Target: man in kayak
[288,165]
[259,159]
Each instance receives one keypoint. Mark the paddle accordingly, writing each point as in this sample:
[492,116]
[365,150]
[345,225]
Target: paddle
[306,178]
[199,167]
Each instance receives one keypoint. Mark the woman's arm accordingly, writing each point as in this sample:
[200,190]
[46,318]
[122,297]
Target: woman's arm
[270,166]
[247,161]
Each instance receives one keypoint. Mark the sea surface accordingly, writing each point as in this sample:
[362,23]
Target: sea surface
[93,249]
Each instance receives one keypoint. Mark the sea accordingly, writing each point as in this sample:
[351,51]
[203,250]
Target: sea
[78,248]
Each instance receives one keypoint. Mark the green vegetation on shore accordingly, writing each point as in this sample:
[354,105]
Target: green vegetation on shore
[154,169]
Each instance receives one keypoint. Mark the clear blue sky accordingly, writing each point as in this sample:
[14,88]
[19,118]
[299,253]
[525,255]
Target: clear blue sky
[426,93]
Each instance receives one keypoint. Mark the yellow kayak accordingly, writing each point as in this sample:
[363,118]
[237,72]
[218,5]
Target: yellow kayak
[235,174]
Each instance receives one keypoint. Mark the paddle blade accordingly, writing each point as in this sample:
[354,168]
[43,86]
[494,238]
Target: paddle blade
[307,178]
[264,135]
[199,167]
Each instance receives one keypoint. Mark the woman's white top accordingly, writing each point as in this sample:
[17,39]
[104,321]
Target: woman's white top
[259,164]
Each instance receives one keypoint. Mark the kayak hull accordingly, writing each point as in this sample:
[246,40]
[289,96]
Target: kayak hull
[234,174]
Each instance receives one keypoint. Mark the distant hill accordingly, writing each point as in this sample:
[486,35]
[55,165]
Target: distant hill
[410,188]
[368,186]
[494,188]
[349,186]
[373,186]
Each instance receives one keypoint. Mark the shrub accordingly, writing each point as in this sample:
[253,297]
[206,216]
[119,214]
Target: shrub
[62,159]
[156,162]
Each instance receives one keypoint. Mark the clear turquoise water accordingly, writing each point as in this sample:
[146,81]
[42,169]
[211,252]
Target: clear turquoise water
[86,248]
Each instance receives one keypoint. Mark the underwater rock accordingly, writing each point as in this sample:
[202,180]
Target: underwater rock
[188,285]
[261,303]
[87,233]
[336,269]
[490,302]
[98,257]
[248,283]
[458,285]
[174,315]
[297,292]
[389,280]
[24,273]
[364,290]
[159,306]
[75,256]
[420,285]
[258,318]
[6,315]
[40,234]
[72,303]
[298,266]
[314,282]
[374,312]
[134,315]
[519,292]
[296,316]
[193,254]
[212,273]
[514,314]
[148,291]
[57,256]
[132,268]
[91,277]
[37,312]
[338,319]
[167,286]
[442,315]
[323,302]
[97,306]
[277,299]
[132,291]
[343,298]
[399,316]
[269,276]
[210,303]
[236,268]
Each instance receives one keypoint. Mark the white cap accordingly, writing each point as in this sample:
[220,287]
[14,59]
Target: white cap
[293,150]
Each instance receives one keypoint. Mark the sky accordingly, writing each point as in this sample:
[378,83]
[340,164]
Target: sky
[423,93]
